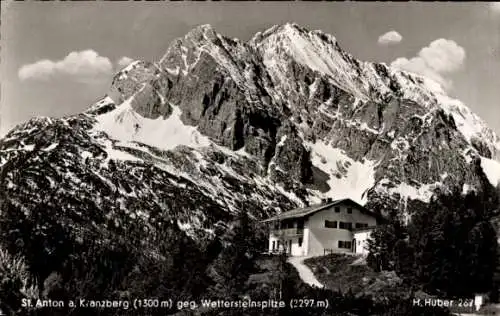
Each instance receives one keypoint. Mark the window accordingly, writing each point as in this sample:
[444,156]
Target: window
[274,245]
[349,210]
[300,242]
[300,223]
[337,209]
[330,224]
[345,244]
[344,225]
[361,225]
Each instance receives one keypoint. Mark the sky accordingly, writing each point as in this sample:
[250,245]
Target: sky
[57,58]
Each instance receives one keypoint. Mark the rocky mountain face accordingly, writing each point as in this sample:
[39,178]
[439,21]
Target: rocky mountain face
[219,126]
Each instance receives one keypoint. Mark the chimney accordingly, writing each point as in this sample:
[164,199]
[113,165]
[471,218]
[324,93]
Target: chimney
[326,200]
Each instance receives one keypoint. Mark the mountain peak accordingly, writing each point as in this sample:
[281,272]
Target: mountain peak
[296,29]
[293,27]
[203,31]
[291,30]
[202,28]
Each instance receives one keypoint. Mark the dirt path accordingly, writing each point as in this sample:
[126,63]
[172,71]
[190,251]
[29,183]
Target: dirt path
[361,260]
[304,272]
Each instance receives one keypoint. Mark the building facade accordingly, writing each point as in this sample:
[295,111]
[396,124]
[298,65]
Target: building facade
[360,240]
[332,226]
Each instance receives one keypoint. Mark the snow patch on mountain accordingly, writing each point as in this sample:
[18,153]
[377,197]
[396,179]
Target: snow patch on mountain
[115,154]
[492,170]
[51,147]
[126,125]
[406,191]
[347,178]
[466,188]
[423,193]
[468,123]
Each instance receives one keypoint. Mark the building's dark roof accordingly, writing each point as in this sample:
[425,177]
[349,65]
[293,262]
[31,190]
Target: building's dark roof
[306,211]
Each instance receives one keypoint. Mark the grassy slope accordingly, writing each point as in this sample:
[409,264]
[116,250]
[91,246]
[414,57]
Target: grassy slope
[336,272]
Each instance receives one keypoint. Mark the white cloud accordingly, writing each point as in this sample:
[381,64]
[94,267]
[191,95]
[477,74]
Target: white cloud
[391,37]
[495,7]
[82,65]
[124,61]
[436,61]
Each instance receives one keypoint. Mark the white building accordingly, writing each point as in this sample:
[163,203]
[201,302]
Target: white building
[360,239]
[332,226]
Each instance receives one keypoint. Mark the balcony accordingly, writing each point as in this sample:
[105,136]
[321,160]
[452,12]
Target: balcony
[288,232]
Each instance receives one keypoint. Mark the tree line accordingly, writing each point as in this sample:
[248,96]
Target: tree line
[448,248]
